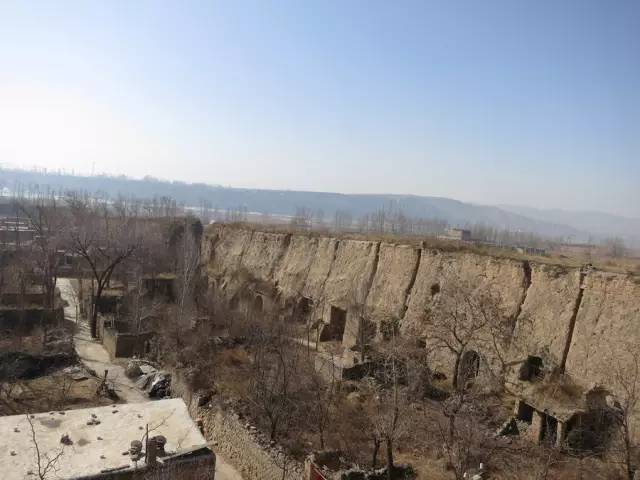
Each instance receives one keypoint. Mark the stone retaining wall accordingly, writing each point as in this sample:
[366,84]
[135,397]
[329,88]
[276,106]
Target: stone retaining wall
[236,440]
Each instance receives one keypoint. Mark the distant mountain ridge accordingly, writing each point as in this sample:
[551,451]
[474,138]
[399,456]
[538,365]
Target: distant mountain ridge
[598,224]
[285,202]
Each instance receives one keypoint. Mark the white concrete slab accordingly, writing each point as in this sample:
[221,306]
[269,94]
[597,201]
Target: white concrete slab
[95,447]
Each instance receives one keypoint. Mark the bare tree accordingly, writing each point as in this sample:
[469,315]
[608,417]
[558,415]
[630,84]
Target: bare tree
[388,401]
[49,222]
[616,247]
[8,387]
[17,279]
[365,328]
[273,375]
[188,268]
[145,267]
[342,220]
[463,317]
[104,242]
[464,442]
[46,462]
[626,378]
[318,218]
[303,218]
[141,308]
[322,396]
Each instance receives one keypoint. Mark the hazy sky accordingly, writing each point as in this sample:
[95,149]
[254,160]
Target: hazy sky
[524,102]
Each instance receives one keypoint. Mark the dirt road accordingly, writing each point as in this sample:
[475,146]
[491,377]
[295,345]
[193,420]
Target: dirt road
[95,356]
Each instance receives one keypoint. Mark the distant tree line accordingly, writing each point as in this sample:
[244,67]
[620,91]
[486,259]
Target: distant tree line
[327,207]
[357,213]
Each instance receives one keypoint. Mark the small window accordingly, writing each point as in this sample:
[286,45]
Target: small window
[258,304]
[525,412]
[532,369]
[337,322]
[234,303]
[303,309]
[549,432]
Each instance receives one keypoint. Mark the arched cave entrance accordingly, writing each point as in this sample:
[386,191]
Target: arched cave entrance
[258,304]
[469,367]
[334,330]
[234,303]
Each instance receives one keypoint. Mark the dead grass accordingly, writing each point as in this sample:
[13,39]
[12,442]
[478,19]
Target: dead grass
[559,387]
[233,358]
[51,392]
[31,344]
[421,447]
[232,372]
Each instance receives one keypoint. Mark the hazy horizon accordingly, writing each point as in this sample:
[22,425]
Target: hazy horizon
[150,177]
[500,103]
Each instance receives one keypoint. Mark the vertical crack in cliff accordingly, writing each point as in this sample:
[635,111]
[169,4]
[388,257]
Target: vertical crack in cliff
[374,270]
[213,243]
[208,254]
[526,284]
[572,321]
[412,281]
[307,270]
[333,260]
[281,254]
[244,250]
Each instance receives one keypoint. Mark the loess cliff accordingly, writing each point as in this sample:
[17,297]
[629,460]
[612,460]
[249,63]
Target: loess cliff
[580,322]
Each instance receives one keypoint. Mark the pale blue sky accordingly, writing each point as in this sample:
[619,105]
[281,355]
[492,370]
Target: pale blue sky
[522,102]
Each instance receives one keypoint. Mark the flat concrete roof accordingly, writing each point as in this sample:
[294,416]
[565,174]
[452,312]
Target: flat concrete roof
[95,448]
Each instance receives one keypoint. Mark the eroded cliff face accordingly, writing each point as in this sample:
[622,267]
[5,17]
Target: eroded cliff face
[222,250]
[263,253]
[606,337]
[576,321]
[439,271]
[393,281]
[545,318]
[351,273]
[292,272]
[320,267]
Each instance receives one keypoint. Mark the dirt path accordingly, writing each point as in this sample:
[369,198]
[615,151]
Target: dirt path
[95,356]
[224,471]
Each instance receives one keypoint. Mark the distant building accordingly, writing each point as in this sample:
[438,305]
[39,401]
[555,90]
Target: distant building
[109,443]
[8,208]
[458,234]
[524,250]
[16,231]
[576,248]
[24,309]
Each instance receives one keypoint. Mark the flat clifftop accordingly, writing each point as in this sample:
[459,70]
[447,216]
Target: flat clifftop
[431,243]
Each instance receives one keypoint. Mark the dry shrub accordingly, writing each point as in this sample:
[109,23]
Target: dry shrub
[559,386]
[233,357]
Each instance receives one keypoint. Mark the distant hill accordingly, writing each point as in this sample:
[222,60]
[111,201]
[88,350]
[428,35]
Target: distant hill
[578,226]
[598,224]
